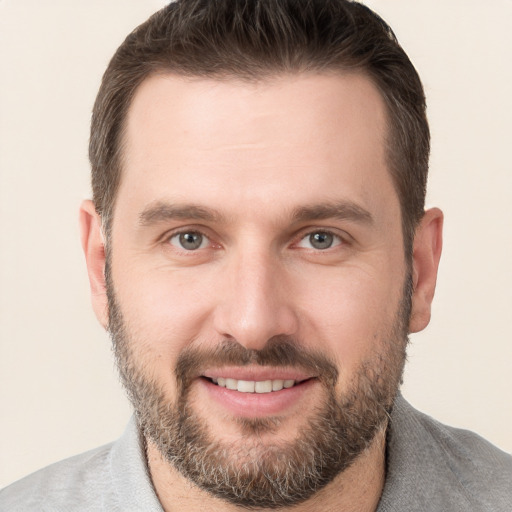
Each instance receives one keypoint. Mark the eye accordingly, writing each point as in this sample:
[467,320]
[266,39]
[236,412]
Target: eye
[189,240]
[320,240]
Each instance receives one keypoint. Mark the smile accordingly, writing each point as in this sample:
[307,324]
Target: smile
[257,392]
[252,386]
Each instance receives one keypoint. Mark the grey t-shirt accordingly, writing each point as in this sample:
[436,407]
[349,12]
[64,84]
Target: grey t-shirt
[430,468]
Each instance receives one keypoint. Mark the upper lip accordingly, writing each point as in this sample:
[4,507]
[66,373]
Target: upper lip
[257,373]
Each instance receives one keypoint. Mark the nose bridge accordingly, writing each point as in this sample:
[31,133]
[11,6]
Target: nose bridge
[255,305]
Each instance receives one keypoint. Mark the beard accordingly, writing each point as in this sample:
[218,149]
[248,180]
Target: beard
[256,472]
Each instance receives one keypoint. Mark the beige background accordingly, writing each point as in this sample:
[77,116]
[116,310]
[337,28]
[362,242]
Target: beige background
[59,394]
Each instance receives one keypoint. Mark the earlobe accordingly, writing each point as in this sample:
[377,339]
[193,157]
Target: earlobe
[427,248]
[94,251]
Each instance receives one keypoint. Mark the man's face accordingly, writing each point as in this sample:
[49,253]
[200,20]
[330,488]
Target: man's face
[257,245]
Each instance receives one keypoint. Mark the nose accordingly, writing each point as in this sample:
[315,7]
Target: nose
[255,302]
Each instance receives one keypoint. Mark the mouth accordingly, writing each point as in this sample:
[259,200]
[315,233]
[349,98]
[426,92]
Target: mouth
[255,386]
[255,391]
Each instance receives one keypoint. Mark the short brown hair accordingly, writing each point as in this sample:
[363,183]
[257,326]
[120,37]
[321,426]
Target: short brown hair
[254,39]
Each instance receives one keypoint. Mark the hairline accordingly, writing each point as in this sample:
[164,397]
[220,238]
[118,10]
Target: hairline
[262,76]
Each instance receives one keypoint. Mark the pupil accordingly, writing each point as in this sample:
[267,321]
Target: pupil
[191,240]
[321,240]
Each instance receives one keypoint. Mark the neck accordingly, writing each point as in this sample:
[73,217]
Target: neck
[358,488]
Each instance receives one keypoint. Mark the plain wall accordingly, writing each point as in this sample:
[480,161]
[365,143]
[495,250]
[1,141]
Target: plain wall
[59,392]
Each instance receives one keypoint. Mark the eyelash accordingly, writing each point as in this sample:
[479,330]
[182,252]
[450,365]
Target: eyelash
[175,234]
[335,242]
[337,239]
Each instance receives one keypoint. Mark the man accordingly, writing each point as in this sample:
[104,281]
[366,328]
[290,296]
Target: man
[257,246]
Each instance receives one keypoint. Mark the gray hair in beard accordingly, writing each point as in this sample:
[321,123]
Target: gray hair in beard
[252,473]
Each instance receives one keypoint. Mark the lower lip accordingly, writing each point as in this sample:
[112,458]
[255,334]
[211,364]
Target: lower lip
[258,405]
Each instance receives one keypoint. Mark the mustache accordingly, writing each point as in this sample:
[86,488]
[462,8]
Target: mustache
[280,351]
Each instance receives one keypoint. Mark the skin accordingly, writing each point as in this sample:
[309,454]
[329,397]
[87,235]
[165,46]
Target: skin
[252,155]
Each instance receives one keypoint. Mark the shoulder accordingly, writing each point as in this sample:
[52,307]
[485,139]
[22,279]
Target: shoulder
[65,485]
[469,452]
[113,477]
[479,464]
[444,468]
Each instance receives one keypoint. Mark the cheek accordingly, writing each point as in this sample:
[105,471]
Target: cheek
[163,312]
[351,313]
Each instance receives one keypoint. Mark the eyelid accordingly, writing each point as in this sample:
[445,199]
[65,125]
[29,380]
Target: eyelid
[343,237]
[205,241]
[165,239]
[183,229]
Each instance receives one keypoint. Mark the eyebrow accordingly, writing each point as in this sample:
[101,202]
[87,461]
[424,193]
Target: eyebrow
[344,210]
[162,212]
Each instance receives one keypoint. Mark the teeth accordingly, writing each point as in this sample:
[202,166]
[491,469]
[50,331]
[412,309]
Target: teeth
[251,386]
[232,384]
[277,385]
[246,386]
[264,386]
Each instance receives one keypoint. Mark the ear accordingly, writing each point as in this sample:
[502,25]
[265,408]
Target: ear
[427,246]
[94,249]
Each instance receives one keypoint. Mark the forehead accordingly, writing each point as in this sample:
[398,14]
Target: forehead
[292,137]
